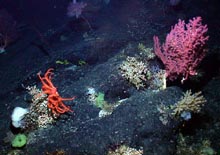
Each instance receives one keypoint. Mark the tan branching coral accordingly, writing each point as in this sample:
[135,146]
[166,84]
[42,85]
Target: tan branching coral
[189,103]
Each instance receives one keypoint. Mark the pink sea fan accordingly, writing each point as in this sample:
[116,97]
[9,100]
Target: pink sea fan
[75,8]
[183,49]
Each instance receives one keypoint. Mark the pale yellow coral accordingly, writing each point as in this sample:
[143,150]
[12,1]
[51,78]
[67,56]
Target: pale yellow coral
[189,103]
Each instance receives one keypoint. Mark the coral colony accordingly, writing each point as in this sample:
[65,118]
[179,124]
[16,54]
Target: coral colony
[75,8]
[184,48]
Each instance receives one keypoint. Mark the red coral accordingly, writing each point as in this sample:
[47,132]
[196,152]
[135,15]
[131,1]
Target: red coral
[55,102]
[183,49]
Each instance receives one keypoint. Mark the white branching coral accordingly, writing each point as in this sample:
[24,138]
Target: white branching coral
[134,71]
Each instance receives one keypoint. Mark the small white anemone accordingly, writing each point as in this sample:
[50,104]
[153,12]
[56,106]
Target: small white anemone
[90,91]
[17,116]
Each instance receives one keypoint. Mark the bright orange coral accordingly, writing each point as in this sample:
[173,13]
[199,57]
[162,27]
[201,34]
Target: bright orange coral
[55,102]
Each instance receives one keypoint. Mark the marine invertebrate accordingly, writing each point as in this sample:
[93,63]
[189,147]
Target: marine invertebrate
[183,49]
[189,103]
[134,71]
[55,102]
[39,116]
[146,52]
[75,8]
[125,150]
[19,141]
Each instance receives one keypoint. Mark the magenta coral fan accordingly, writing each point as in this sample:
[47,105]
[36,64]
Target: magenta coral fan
[75,8]
[183,49]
